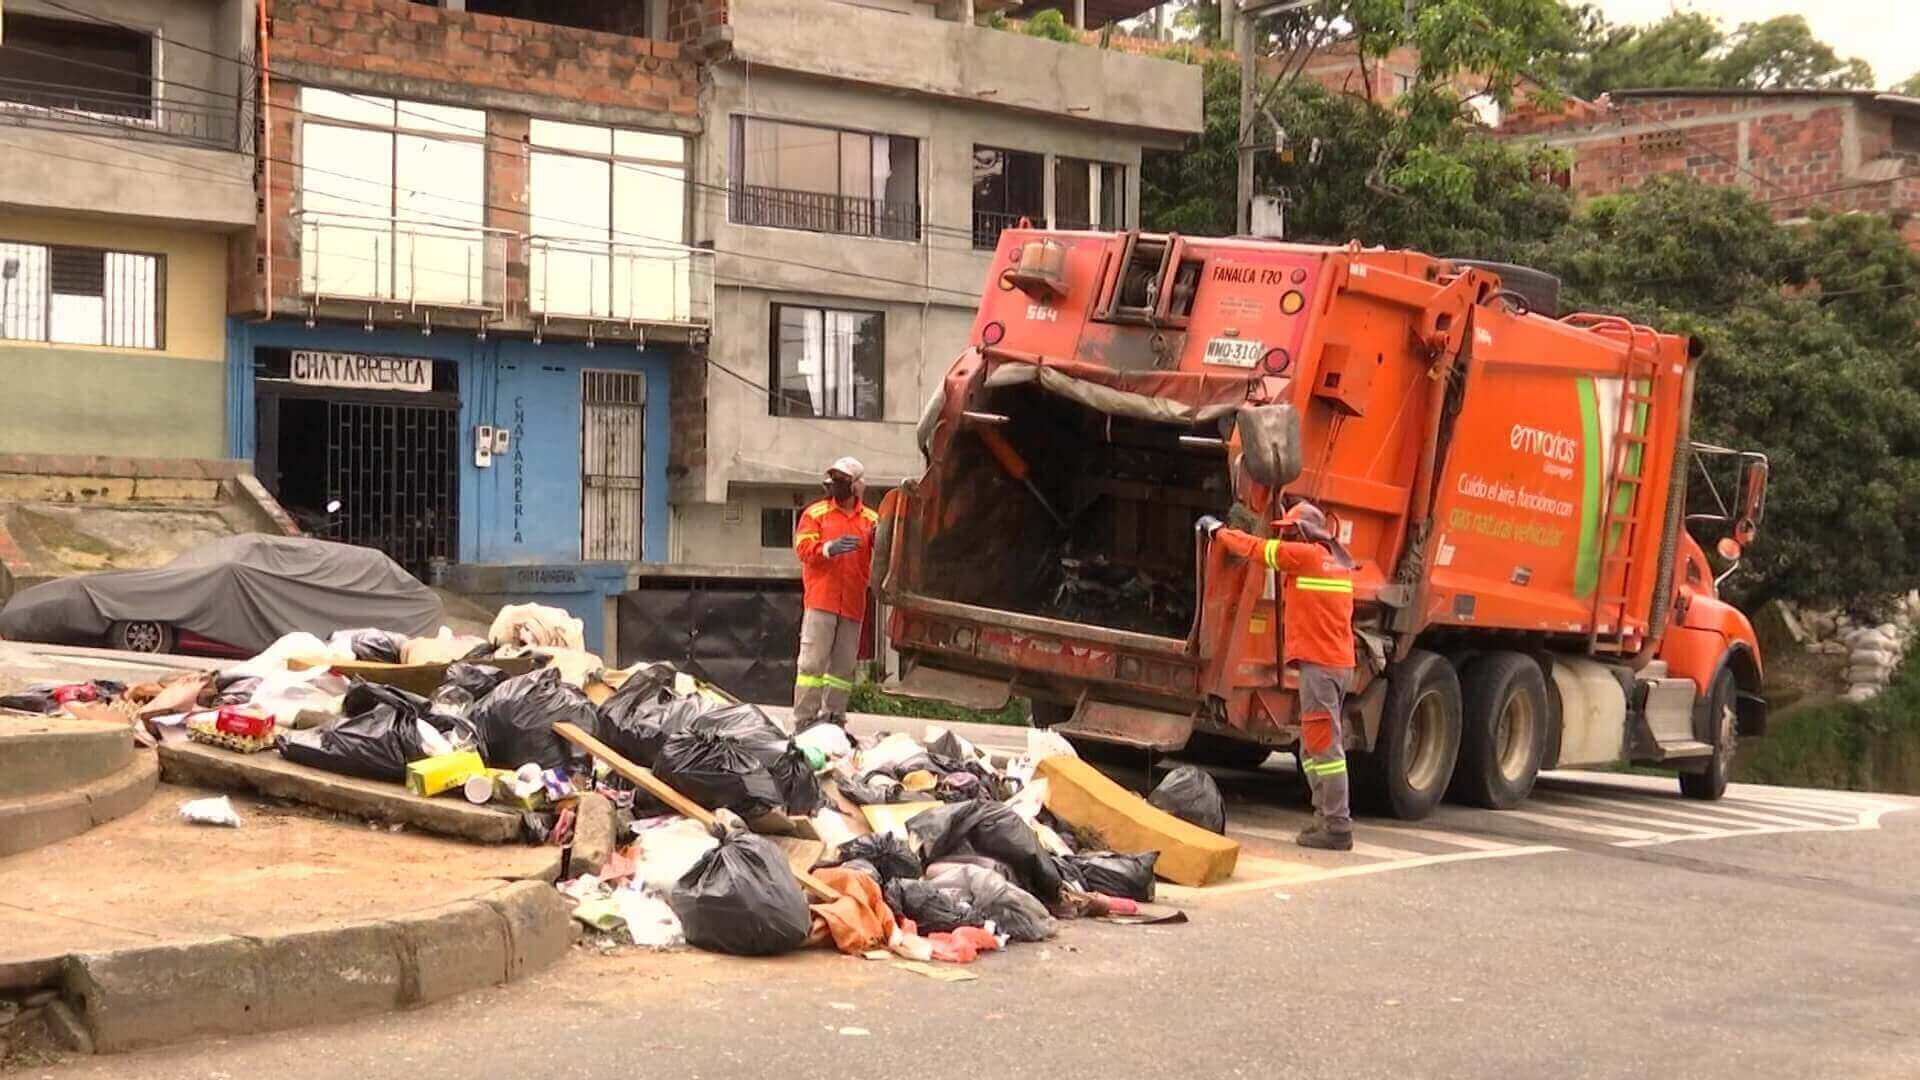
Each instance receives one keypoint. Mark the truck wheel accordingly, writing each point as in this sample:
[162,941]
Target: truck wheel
[1407,770]
[1206,748]
[1502,734]
[1718,723]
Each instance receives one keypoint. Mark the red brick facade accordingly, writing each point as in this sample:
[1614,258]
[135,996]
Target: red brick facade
[1842,151]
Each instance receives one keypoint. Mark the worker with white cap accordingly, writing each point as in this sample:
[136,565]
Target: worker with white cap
[834,539]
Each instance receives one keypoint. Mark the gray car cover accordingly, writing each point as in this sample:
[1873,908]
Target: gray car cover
[246,591]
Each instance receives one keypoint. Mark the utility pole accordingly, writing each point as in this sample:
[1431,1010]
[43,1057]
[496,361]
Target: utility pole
[1247,12]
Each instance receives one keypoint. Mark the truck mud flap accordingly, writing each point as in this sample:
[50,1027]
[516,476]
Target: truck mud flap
[935,684]
[1128,725]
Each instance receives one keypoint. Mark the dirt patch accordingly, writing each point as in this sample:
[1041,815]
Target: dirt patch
[61,540]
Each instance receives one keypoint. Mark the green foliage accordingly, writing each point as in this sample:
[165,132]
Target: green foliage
[868,698]
[1910,88]
[1052,25]
[1687,49]
[1783,53]
[1872,746]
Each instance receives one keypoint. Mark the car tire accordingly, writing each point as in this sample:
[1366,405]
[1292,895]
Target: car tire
[141,636]
[1411,762]
[1716,725]
[1502,732]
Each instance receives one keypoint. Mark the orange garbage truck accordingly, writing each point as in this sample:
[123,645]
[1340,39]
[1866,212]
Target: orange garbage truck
[1514,486]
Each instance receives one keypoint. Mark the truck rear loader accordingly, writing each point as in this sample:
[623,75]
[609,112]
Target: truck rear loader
[1513,485]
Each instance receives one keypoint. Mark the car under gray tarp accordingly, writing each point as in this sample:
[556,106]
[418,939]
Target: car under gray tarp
[246,591]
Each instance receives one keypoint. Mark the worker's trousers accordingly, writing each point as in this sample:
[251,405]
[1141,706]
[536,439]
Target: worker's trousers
[1323,754]
[829,648]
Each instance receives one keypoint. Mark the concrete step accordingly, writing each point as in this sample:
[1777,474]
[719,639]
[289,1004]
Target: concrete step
[46,755]
[38,820]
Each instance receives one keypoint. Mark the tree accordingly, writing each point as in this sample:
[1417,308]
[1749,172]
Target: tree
[1052,25]
[1782,53]
[1687,49]
[1910,88]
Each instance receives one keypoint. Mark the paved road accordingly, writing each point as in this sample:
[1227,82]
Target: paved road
[1608,930]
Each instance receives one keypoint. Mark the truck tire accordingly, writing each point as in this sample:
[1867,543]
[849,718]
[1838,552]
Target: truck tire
[1717,726]
[1221,751]
[1502,732]
[1408,769]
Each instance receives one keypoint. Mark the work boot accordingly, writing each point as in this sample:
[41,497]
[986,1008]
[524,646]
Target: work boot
[1325,839]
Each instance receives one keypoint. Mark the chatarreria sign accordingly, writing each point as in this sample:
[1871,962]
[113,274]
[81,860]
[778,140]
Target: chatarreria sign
[355,371]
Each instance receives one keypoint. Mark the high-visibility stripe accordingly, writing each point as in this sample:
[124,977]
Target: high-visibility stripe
[1322,584]
[1272,554]
[805,536]
[1326,768]
[809,680]
[837,684]
[818,510]
[869,514]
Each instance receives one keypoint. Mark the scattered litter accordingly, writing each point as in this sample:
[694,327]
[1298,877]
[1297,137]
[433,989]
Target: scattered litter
[855,1031]
[936,972]
[848,1006]
[215,811]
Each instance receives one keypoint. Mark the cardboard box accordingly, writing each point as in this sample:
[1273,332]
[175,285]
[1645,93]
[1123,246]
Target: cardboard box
[443,772]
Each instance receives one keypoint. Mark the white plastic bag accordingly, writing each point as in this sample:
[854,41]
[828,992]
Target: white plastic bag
[214,811]
[650,922]
[830,739]
[668,851]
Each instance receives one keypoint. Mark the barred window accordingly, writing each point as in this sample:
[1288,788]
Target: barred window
[68,295]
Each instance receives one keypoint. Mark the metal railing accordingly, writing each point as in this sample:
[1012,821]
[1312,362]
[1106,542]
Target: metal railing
[356,257]
[989,224]
[172,110]
[651,281]
[815,211]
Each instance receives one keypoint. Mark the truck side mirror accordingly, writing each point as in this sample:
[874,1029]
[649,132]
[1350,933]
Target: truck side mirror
[1753,499]
[1270,443]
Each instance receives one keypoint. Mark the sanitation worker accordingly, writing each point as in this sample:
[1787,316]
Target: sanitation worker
[1316,602]
[834,539]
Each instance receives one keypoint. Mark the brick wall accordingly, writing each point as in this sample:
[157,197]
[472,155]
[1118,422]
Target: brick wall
[687,413]
[688,21]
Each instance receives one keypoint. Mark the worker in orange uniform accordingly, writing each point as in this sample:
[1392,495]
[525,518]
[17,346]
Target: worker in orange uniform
[1317,624]
[834,539]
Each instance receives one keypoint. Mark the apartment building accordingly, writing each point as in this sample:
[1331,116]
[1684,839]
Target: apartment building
[126,137]
[858,163]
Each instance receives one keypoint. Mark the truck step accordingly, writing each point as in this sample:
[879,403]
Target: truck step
[1688,748]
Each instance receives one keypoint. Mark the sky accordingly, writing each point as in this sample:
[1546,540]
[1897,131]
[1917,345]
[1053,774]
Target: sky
[1884,33]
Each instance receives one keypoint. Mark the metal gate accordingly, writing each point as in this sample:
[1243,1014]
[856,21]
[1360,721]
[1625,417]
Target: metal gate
[612,463]
[395,470]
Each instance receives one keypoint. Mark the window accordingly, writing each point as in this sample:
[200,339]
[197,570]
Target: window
[73,65]
[776,526]
[395,207]
[1007,186]
[609,223]
[827,362]
[80,296]
[1089,195]
[628,18]
[799,176]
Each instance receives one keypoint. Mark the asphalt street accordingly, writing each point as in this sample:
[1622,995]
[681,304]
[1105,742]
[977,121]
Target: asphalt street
[1610,929]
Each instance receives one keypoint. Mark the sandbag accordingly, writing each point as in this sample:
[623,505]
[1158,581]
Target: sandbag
[990,829]
[934,910]
[515,722]
[1112,874]
[742,898]
[718,773]
[1012,910]
[1189,794]
[375,745]
[885,852]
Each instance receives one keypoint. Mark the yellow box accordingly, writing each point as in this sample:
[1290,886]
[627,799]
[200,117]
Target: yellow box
[444,772]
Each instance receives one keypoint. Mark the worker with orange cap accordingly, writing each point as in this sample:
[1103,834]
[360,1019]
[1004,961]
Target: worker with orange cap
[1317,627]
[834,539]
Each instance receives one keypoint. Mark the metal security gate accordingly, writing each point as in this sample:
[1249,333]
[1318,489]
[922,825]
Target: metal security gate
[395,470]
[613,450]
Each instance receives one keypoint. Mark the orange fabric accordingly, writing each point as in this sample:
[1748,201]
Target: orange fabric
[1317,626]
[836,584]
[857,922]
[1316,733]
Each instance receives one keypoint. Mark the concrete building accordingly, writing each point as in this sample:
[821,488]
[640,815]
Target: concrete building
[858,164]
[126,140]
[456,315]
[1841,150]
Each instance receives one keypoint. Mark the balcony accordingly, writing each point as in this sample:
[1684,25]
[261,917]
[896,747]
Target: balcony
[989,224]
[813,211]
[647,283]
[419,264]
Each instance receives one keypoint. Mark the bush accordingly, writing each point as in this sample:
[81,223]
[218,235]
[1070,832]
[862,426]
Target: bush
[1867,746]
[868,698]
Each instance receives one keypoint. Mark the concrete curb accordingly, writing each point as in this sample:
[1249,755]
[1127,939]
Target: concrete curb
[44,819]
[242,985]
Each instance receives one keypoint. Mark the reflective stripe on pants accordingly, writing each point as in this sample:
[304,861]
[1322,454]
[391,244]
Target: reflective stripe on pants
[829,649]
[1323,754]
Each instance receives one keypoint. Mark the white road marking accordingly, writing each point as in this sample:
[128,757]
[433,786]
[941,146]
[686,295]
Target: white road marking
[1657,825]
[1722,810]
[1441,836]
[1374,851]
[1717,818]
[1592,828]
[1313,874]
[1819,813]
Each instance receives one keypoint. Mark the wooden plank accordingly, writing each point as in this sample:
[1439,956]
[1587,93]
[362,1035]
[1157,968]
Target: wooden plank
[1081,795]
[661,790]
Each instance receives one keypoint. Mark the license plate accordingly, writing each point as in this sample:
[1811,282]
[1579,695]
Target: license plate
[1234,352]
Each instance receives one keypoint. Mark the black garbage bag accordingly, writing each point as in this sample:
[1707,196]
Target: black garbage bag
[378,646]
[888,853]
[799,787]
[363,696]
[1189,794]
[376,745]
[865,792]
[638,722]
[990,829]
[476,679]
[934,910]
[1012,910]
[742,898]
[718,773]
[514,724]
[33,701]
[1111,874]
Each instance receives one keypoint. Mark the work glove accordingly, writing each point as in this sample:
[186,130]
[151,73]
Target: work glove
[840,545]
[1208,525]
